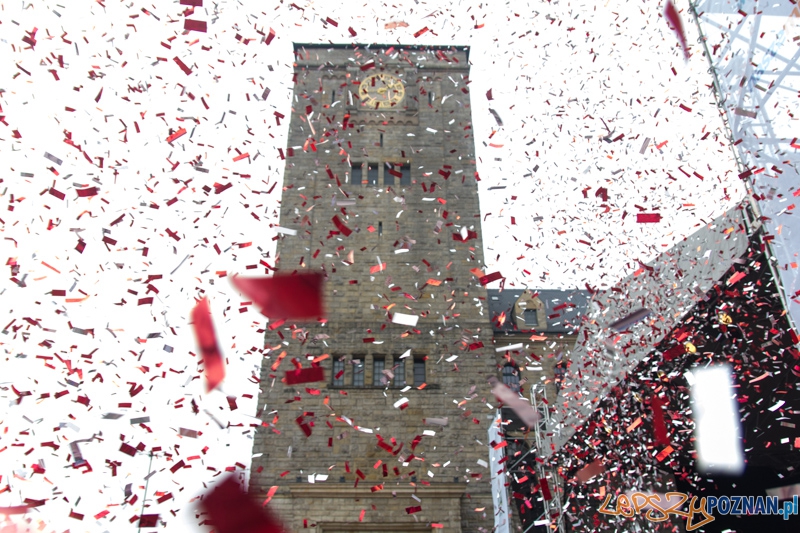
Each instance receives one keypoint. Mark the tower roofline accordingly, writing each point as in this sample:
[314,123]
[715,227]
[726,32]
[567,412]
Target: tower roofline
[356,46]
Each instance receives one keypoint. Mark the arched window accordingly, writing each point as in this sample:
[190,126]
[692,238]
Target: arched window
[511,377]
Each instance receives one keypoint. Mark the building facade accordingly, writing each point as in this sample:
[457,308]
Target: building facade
[380,195]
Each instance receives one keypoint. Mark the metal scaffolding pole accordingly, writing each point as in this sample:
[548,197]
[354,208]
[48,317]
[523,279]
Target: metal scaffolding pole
[553,510]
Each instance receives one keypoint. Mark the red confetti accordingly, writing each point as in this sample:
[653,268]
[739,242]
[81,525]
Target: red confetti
[420,32]
[659,426]
[186,70]
[285,296]
[85,193]
[207,342]
[148,520]
[194,25]
[305,375]
[341,227]
[644,218]
[546,490]
[176,135]
[488,278]
[675,23]
[232,511]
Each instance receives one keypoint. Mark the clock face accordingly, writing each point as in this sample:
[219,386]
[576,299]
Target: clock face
[380,91]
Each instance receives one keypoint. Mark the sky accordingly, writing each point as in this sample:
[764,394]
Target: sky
[100,287]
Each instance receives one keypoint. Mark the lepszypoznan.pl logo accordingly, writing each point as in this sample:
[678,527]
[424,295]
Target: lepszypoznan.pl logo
[658,507]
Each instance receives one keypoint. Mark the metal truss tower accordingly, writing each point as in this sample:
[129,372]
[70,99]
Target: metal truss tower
[753,48]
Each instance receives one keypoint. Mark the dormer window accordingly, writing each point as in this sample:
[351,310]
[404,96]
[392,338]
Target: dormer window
[529,312]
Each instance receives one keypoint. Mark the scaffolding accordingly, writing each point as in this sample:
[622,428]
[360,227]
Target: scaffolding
[754,80]
[553,512]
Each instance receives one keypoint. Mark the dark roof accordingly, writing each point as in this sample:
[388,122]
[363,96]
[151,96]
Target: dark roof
[399,47]
[563,320]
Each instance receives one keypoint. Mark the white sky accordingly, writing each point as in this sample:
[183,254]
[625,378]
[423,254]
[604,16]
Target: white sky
[591,61]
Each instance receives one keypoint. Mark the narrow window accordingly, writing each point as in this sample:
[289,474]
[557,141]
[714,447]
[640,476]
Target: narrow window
[430,98]
[356,173]
[405,174]
[389,174]
[358,374]
[372,174]
[378,378]
[380,142]
[380,229]
[399,373]
[419,371]
[511,377]
[338,373]
[333,96]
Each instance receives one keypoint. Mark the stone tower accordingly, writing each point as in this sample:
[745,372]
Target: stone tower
[381,190]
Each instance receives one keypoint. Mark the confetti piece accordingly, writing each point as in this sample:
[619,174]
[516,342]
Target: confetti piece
[148,520]
[194,25]
[86,193]
[394,25]
[207,342]
[305,375]
[676,24]
[737,276]
[420,32]
[659,424]
[232,511]
[186,70]
[53,158]
[545,486]
[520,406]
[285,296]
[645,218]
[716,418]
[494,276]
[589,471]
[406,320]
[629,320]
[180,133]
[341,227]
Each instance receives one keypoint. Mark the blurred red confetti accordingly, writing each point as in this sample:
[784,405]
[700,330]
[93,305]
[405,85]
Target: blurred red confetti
[207,342]
[589,471]
[305,375]
[231,510]
[675,23]
[285,296]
